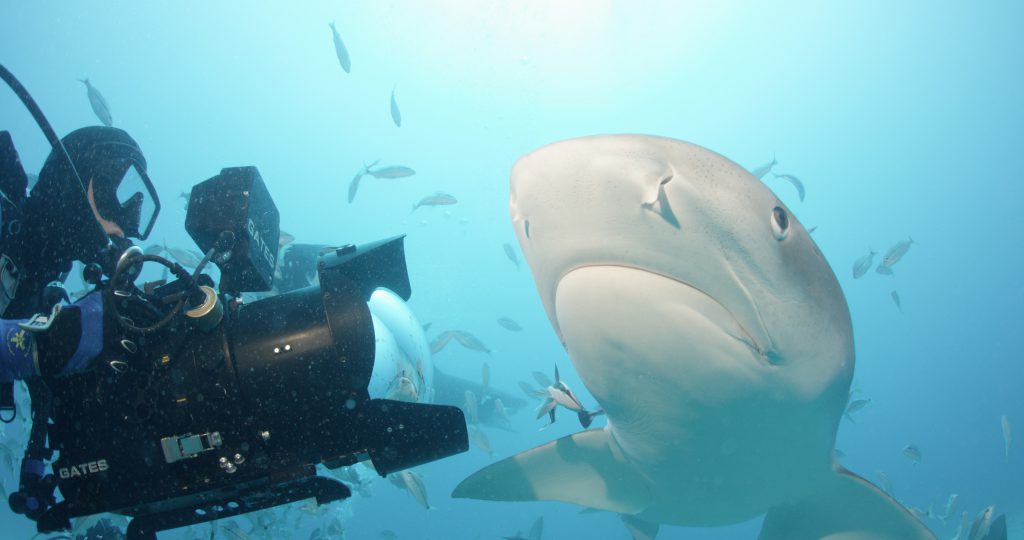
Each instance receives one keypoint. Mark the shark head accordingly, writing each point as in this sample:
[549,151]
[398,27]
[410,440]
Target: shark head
[701,224]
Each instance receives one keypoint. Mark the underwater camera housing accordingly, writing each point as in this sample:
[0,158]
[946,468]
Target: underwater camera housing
[210,412]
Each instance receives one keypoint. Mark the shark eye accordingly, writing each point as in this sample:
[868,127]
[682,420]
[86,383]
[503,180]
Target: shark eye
[780,223]
[526,228]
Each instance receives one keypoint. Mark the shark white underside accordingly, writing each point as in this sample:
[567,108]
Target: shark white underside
[710,329]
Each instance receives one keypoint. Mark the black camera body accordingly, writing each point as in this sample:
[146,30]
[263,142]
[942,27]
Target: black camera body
[195,421]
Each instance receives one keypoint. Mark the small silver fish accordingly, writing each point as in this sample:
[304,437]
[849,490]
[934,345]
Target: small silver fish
[863,264]
[1007,434]
[764,169]
[470,341]
[396,115]
[896,300]
[353,186]
[982,523]
[437,199]
[472,414]
[559,393]
[796,183]
[897,251]
[510,252]
[441,341]
[854,406]
[951,507]
[965,527]
[509,324]
[391,171]
[501,414]
[912,452]
[98,103]
[481,441]
[184,257]
[414,485]
[340,50]
[284,239]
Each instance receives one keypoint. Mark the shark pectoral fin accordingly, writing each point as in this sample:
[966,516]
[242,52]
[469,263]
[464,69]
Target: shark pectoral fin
[585,468]
[638,528]
[845,507]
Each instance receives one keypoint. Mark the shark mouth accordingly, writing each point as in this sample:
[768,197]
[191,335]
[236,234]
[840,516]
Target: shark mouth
[698,302]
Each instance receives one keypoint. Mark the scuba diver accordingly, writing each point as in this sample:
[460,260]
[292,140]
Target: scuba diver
[164,403]
[86,216]
[41,235]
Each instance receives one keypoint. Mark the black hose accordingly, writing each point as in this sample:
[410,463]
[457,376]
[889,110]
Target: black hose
[175,268]
[44,124]
[33,108]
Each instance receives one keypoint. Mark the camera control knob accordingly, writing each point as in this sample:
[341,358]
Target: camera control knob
[208,314]
[228,467]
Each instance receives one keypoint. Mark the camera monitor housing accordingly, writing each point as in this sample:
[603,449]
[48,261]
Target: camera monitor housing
[237,201]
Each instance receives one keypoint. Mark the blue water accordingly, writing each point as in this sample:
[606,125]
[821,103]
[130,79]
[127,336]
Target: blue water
[902,119]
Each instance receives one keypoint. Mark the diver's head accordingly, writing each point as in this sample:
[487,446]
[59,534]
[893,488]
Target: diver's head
[118,200]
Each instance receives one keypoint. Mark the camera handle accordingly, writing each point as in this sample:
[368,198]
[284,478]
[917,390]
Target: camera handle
[129,266]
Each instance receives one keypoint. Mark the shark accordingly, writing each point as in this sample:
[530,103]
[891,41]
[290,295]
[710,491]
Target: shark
[711,330]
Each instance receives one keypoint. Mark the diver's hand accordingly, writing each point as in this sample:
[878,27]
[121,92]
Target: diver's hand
[74,337]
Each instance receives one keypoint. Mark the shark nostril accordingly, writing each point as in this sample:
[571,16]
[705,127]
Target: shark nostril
[661,206]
